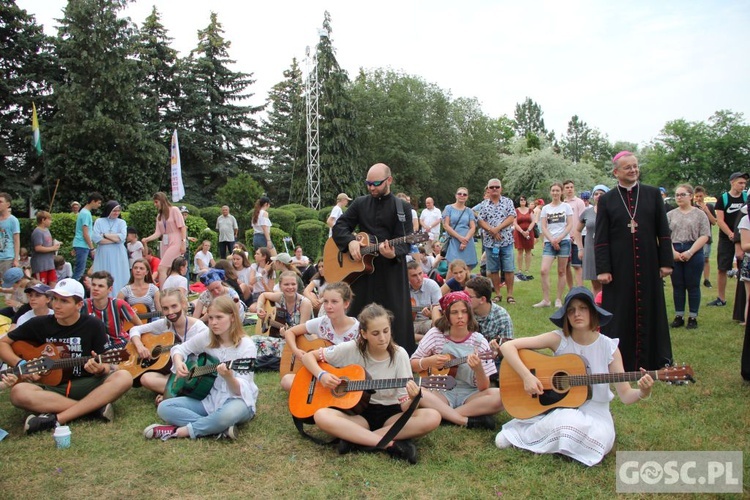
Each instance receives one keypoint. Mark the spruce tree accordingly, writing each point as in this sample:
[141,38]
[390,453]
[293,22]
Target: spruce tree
[217,128]
[26,67]
[97,140]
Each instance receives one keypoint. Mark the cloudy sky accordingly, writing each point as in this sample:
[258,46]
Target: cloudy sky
[625,68]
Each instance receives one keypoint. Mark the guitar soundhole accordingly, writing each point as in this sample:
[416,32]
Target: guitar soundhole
[341,389]
[145,363]
[560,382]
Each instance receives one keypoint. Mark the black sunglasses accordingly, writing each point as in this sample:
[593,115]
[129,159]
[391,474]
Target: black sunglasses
[376,183]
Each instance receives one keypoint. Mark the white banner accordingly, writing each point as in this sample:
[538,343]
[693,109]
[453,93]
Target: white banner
[178,189]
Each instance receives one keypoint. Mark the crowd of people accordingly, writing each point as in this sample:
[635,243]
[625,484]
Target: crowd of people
[420,309]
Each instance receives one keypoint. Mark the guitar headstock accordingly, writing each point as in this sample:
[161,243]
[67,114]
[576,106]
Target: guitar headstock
[417,237]
[243,365]
[676,374]
[438,382]
[37,365]
[114,356]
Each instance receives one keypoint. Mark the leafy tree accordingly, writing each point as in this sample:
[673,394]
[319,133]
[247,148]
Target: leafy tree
[339,167]
[575,140]
[529,123]
[97,140]
[218,135]
[26,68]
[158,84]
[284,143]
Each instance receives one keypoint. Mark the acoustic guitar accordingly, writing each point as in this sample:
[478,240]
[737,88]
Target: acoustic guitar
[143,313]
[340,266]
[566,382]
[202,375]
[57,365]
[353,394]
[158,345]
[289,362]
[451,367]
[28,368]
[274,321]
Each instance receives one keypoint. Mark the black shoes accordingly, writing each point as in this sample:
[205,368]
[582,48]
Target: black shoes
[678,322]
[692,324]
[404,450]
[41,422]
[482,422]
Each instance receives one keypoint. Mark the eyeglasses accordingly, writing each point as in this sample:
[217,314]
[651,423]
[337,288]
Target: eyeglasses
[629,168]
[376,183]
[681,195]
[493,187]
[462,194]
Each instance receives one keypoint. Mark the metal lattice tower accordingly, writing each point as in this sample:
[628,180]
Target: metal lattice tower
[312,91]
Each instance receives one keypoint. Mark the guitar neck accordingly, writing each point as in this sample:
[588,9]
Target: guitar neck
[371,249]
[199,371]
[609,378]
[62,364]
[375,385]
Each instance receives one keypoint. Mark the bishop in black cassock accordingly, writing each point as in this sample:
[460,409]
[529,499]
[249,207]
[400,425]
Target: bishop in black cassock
[388,285]
[632,245]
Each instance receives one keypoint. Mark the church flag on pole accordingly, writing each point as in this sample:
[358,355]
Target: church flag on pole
[178,189]
[36,136]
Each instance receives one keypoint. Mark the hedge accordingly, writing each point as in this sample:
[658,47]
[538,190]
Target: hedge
[311,236]
[284,219]
[301,212]
[324,213]
[210,214]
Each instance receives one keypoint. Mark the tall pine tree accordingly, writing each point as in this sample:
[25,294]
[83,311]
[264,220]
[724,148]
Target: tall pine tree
[340,167]
[97,140]
[26,68]
[284,139]
[218,130]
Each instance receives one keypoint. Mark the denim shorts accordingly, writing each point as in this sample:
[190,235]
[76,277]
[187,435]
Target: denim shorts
[574,260]
[503,261]
[551,252]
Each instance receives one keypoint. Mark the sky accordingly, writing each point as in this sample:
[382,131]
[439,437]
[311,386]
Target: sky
[625,68]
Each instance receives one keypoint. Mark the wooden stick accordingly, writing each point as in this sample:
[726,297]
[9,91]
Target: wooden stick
[54,193]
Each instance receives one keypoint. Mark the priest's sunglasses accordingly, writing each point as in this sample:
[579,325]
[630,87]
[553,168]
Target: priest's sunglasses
[376,183]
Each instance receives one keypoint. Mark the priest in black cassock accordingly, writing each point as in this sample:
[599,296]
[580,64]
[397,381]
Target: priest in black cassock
[633,253]
[377,215]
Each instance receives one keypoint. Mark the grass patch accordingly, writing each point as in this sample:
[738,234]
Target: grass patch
[270,459]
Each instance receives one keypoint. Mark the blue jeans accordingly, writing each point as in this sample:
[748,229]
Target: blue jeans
[184,411]
[687,276]
[82,255]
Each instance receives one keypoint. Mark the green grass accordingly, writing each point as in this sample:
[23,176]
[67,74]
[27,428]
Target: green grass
[271,460]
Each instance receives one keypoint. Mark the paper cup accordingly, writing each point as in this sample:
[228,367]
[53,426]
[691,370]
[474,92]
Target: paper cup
[62,437]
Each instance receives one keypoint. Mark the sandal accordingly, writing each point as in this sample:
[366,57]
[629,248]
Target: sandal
[498,299]
[159,398]
[511,300]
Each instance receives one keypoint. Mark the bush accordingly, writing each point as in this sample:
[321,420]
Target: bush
[192,208]
[324,213]
[142,216]
[244,222]
[210,214]
[63,229]
[196,228]
[27,226]
[311,236]
[277,236]
[301,212]
[282,218]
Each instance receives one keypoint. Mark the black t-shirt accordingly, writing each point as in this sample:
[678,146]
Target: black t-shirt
[731,211]
[85,335]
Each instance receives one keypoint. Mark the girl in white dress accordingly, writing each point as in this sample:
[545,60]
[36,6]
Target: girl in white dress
[587,433]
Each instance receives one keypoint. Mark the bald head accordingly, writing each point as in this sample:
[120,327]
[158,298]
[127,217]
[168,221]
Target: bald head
[379,180]
[379,170]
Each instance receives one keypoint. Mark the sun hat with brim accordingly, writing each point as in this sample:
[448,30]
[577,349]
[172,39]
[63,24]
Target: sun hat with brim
[283,257]
[581,293]
[40,288]
[68,288]
[12,276]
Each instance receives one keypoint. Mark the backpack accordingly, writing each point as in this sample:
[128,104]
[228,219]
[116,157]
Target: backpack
[725,198]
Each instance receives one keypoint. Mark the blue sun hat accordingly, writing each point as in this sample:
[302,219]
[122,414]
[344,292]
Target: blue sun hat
[584,294]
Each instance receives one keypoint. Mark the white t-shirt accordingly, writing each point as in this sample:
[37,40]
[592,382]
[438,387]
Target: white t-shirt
[30,314]
[263,220]
[323,328]
[176,281]
[429,217]
[557,218]
[335,213]
[204,258]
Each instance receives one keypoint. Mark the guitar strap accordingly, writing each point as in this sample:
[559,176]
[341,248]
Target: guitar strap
[400,213]
[387,438]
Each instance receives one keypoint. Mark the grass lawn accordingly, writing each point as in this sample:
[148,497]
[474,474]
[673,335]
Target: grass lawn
[271,460]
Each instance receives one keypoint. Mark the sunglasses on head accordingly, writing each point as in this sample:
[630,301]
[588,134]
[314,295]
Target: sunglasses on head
[376,183]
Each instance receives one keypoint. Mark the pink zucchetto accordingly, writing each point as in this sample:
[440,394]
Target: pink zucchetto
[620,155]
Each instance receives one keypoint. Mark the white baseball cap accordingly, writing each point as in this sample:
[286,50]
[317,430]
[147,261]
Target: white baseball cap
[68,288]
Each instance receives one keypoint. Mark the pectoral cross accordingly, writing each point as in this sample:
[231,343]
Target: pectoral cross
[633,224]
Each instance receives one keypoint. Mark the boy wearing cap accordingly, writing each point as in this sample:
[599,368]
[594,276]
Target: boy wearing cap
[14,283]
[342,200]
[92,387]
[36,293]
[727,214]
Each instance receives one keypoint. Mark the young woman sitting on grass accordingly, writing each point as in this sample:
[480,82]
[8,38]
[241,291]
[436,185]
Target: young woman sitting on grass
[472,403]
[335,326]
[376,351]
[233,395]
[585,434]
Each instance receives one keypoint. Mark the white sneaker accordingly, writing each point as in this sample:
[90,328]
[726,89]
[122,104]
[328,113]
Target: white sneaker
[501,441]
[543,303]
[558,304]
